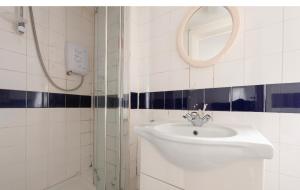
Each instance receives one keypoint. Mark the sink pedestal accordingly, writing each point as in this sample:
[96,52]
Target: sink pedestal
[158,173]
[245,175]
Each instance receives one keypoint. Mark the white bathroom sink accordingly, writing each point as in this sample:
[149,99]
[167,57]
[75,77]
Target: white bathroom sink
[210,146]
[188,131]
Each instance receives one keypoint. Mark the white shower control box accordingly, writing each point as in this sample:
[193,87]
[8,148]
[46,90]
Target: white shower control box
[76,59]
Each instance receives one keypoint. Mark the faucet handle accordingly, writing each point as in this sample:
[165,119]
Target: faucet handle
[194,114]
[204,107]
[202,111]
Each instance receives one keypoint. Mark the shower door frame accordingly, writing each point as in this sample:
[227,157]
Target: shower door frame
[120,95]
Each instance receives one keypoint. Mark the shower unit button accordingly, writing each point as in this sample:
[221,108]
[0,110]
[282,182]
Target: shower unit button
[76,59]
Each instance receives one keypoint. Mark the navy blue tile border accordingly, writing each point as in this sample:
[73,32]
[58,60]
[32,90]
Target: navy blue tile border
[85,101]
[157,100]
[34,99]
[57,100]
[133,100]
[37,100]
[195,99]
[12,99]
[284,98]
[248,98]
[144,100]
[112,101]
[173,100]
[72,101]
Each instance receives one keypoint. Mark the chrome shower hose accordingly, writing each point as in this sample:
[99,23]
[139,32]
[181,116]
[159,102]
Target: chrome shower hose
[39,53]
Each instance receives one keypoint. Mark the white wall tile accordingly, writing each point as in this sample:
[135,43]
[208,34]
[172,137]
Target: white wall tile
[253,75]
[85,126]
[57,19]
[34,66]
[37,173]
[8,117]
[201,77]
[16,80]
[256,17]
[158,81]
[229,74]
[13,42]
[73,148]
[263,41]
[291,66]
[291,37]
[85,139]
[73,114]
[267,123]
[37,141]
[85,114]
[271,181]
[291,12]
[289,183]
[289,158]
[57,153]
[13,176]
[289,128]
[8,14]
[175,83]
[12,61]
[160,115]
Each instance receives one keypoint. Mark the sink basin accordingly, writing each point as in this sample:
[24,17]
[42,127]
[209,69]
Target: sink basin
[187,131]
[201,148]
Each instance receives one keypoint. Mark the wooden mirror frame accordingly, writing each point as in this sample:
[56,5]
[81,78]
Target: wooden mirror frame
[205,63]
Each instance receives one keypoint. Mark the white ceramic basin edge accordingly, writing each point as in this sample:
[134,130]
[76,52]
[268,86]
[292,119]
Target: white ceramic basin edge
[212,145]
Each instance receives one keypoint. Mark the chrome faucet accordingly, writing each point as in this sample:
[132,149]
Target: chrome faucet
[197,119]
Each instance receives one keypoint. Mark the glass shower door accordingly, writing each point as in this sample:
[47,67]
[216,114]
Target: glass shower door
[100,90]
[108,93]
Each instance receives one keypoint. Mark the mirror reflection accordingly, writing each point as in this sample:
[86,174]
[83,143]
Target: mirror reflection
[207,32]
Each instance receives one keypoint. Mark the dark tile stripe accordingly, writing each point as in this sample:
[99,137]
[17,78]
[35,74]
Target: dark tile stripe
[125,100]
[133,100]
[12,99]
[270,98]
[85,101]
[32,99]
[248,98]
[100,103]
[195,99]
[217,99]
[173,100]
[37,99]
[283,98]
[157,100]
[57,100]
[72,101]
[112,101]
[144,100]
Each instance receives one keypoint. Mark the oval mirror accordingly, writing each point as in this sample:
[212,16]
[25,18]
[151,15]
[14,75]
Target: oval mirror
[206,34]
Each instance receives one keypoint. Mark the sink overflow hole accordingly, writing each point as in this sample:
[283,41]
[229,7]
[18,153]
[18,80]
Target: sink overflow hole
[195,133]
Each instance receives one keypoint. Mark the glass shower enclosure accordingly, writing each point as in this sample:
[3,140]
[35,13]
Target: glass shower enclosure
[111,101]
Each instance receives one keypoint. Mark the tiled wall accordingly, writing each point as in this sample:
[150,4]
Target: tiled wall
[266,51]
[43,143]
